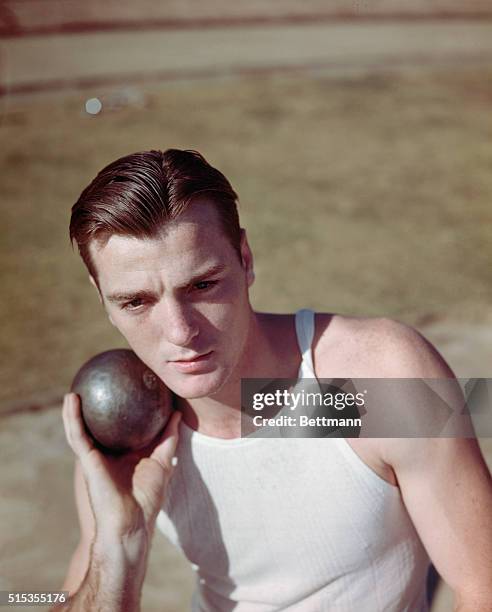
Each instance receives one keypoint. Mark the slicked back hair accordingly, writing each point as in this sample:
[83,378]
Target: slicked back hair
[137,194]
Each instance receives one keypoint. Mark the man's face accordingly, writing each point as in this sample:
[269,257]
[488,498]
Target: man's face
[180,300]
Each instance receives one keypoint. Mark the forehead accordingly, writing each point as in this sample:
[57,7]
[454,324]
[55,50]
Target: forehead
[183,246]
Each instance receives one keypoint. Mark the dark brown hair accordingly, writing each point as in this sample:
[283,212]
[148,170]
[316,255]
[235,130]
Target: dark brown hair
[137,194]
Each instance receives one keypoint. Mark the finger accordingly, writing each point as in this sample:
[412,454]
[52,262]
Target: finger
[65,421]
[166,446]
[77,437]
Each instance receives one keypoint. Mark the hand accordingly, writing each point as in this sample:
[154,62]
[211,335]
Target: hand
[127,491]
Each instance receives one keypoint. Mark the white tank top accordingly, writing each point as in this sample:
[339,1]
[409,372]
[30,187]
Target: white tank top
[291,524]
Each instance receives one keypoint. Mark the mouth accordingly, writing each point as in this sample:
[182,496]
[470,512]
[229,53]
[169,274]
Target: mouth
[194,359]
[195,363]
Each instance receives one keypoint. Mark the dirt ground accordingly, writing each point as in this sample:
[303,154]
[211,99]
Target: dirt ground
[20,17]
[363,191]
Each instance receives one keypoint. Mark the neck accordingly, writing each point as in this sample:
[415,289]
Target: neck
[270,351]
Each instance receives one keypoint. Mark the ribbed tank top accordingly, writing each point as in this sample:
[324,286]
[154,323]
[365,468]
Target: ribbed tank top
[291,524]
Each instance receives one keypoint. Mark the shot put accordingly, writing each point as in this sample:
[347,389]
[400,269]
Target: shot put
[124,404]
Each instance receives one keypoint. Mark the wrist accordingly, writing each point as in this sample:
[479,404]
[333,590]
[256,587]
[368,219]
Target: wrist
[120,563]
[126,549]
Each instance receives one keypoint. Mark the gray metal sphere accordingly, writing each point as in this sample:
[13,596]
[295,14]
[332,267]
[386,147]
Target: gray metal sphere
[124,404]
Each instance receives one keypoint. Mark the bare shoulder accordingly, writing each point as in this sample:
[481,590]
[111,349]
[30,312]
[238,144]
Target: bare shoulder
[363,347]
[369,347]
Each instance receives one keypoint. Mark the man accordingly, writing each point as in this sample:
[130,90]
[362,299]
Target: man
[268,524]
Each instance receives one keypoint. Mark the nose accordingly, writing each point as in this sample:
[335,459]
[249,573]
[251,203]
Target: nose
[179,325]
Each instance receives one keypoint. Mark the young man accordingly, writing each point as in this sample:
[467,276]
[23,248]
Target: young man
[268,524]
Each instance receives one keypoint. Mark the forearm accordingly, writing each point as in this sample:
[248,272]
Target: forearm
[482,603]
[115,577]
[474,607]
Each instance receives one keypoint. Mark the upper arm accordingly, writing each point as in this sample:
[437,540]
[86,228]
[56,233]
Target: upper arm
[79,563]
[445,484]
[447,489]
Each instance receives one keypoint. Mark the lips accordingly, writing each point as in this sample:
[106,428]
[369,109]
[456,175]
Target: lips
[199,363]
[195,359]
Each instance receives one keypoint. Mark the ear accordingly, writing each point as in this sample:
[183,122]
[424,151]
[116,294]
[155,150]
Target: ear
[247,258]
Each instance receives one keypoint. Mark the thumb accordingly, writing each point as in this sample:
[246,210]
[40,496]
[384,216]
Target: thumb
[152,474]
[166,446]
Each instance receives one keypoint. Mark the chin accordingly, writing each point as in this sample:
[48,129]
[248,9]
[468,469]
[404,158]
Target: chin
[195,386]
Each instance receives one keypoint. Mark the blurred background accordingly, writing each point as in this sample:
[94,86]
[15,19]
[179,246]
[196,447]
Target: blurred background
[357,134]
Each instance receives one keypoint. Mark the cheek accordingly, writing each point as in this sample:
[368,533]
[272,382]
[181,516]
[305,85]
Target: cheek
[231,328]
[228,316]
[140,333]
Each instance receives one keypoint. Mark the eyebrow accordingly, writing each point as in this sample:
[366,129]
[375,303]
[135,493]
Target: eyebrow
[144,293]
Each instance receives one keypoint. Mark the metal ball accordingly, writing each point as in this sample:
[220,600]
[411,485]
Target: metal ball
[124,404]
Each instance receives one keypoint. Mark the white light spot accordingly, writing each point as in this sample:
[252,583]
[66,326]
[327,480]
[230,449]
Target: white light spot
[174,461]
[93,106]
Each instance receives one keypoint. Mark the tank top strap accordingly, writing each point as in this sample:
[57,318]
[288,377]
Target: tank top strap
[305,333]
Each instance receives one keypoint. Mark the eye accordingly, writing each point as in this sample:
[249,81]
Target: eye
[133,304]
[203,285]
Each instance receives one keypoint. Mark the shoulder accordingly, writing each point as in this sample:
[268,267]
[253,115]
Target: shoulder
[374,347]
[385,348]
